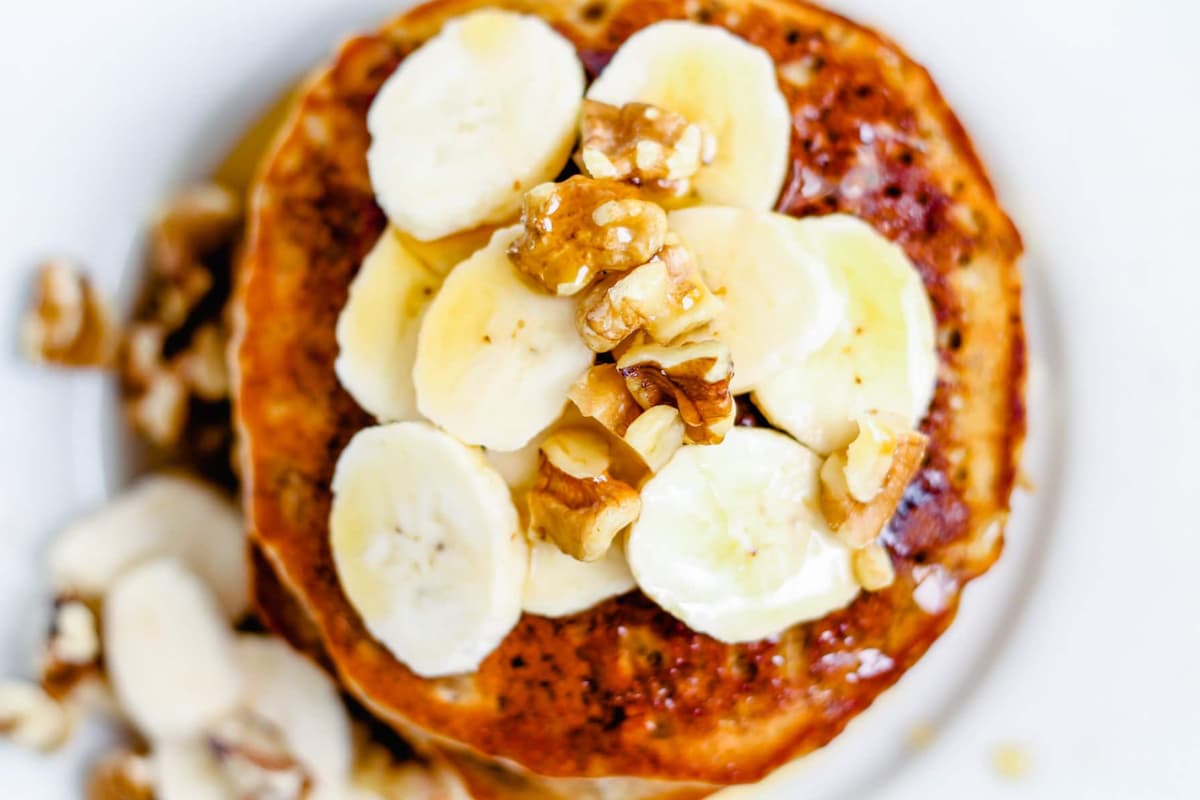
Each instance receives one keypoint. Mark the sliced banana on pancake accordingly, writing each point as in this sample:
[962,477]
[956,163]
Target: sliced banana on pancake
[732,542]
[427,546]
[476,116]
[160,515]
[377,329]
[495,355]
[882,357]
[559,585]
[168,651]
[292,694]
[779,299]
[721,81]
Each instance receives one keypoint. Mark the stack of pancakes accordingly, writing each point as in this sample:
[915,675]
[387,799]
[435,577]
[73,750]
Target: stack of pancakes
[622,700]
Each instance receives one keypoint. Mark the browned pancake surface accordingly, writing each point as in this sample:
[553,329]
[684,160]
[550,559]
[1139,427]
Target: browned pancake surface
[624,688]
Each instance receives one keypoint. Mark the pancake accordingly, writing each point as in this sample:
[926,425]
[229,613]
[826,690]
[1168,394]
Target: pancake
[624,689]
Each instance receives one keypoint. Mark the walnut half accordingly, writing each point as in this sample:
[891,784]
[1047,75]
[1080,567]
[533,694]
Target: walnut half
[643,144]
[601,394]
[576,502]
[693,377]
[581,227]
[68,324]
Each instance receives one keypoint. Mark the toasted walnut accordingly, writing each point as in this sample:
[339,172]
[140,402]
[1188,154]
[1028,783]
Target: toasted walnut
[644,145]
[160,411]
[121,776]
[192,224]
[655,435]
[577,229]
[32,718]
[692,377]
[71,654]
[869,455]
[872,567]
[142,354]
[602,395]
[857,523]
[202,365]
[576,502]
[68,324]
[666,297]
[255,759]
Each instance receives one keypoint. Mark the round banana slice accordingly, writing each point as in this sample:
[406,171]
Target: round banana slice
[731,540]
[779,299]
[377,329]
[882,358]
[427,546]
[471,120]
[723,82]
[168,651]
[559,585]
[496,356]
[291,693]
[160,515]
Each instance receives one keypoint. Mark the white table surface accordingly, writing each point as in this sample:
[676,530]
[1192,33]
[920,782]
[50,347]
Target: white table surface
[1081,650]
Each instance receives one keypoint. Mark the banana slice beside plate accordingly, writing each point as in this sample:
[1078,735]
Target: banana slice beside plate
[496,356]
[779,298]
[882,358]
[732,542]
[721,81]
[427,546]
[377,329]
[476,116]
[559,585]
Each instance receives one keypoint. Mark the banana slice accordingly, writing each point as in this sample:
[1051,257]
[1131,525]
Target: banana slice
[443,255]
[882,357]
[722,82]
[186,769]
[496,356]
[780,301]
[559,585]
[168,651]
[291,693]
[427,546]
[161,515]
[731,540]
[472,119]
[377,329]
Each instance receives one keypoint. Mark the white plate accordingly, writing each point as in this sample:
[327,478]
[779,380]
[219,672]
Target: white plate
[1078,651]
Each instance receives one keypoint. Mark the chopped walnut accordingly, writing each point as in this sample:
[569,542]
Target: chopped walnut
[602,395]
[872,567]
[192,224]
[68,324]
[643,144]
[142,357]
[655,435]
[255,759]
[32,718]
[576,502]
[159,412]
[121,776]
[202,365]
[666,297]
[693,377]
[857,523]
[577,229]
[71,654]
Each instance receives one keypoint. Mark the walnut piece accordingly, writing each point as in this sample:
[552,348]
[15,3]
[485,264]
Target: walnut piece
[192,224]
[121,776]
[666,297]
[872,567]
[576,502]
[71,654]
[643,144]
[255,759]
[693,377]
[582,227]
[159,412]
[202,366]
[68,324]
[32,718]
[602,395]
[854,522]
[655,435]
